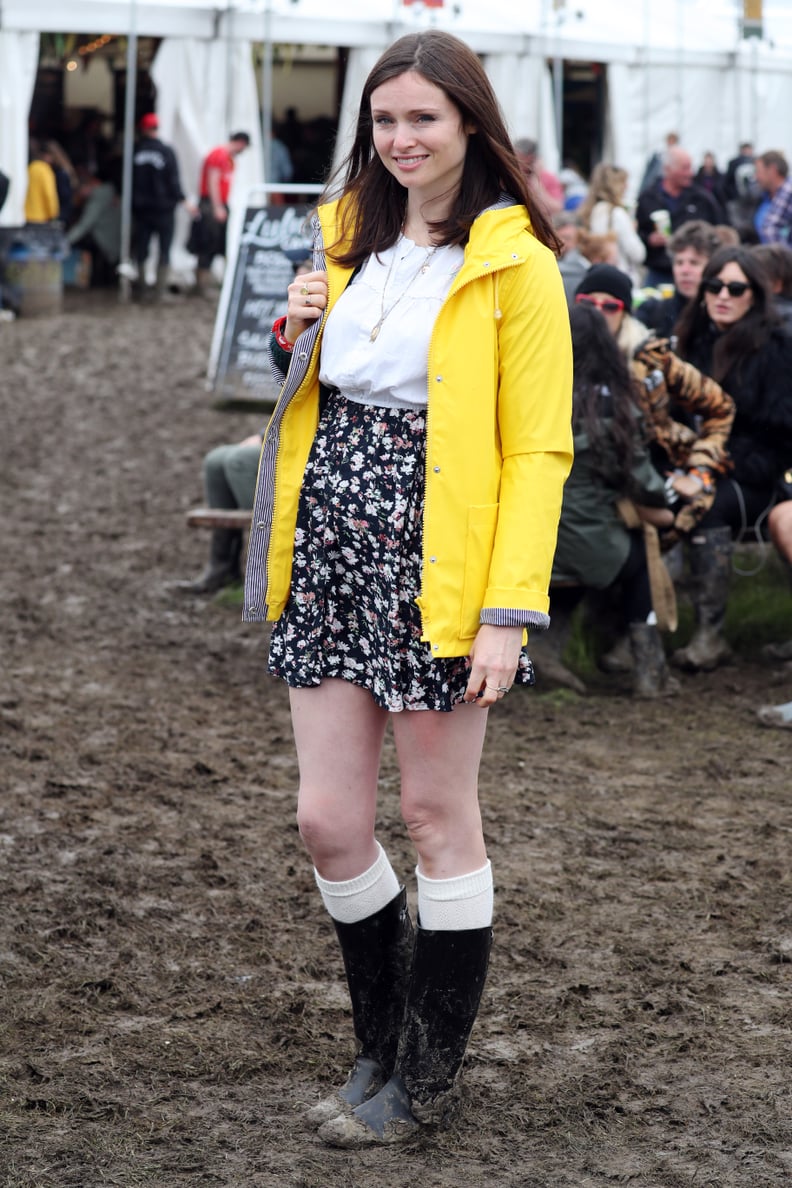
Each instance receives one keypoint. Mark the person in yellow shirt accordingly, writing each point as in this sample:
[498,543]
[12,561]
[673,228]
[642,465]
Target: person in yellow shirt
[41,200]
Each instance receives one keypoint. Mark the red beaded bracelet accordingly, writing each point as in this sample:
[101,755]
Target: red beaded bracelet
[281,339]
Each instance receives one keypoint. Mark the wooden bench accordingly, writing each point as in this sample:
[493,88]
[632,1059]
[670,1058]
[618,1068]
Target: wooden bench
[219,517]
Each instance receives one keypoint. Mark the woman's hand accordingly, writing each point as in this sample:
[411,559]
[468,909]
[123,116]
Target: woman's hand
[493,663]
[307,302]
[686,486]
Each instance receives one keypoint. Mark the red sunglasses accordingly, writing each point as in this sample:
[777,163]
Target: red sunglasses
[609,305]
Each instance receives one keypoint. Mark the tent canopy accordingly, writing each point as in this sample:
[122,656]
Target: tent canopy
[679,64]
[489,25]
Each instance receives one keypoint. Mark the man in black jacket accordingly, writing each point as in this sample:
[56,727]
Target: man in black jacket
[674,200]
[156,192]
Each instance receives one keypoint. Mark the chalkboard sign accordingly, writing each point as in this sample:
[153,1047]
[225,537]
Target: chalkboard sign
[273,241]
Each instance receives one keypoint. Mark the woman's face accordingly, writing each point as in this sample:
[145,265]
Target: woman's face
[419,136]
[724,308]
[688,266]
[611,308]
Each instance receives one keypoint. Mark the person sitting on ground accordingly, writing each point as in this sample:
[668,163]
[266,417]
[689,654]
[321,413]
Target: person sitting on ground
[731,332]
[595,548]
[229,478]
[41,199]
[603,212]
[776,259]
[690,247]
[98,229]
[610,290]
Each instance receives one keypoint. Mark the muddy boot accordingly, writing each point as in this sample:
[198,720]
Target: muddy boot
[223,568]
[651,677]
[778,651]
[446,983]
[547,649]
[204,284]
[377,956]
[620,657]
[162,292]
[710,570]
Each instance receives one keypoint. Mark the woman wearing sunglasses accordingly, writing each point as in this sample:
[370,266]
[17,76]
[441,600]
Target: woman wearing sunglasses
[732,332]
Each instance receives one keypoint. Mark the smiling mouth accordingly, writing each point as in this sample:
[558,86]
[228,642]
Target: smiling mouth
[410,160]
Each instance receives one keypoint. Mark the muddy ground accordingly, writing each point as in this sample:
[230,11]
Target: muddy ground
[171,992]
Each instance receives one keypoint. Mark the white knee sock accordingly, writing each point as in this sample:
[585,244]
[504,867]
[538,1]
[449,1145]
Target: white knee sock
[453,905]
[357,899]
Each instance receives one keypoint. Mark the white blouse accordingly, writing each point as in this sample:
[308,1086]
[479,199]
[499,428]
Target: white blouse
[375,345]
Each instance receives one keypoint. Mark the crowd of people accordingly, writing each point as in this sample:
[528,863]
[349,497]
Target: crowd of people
[694,282]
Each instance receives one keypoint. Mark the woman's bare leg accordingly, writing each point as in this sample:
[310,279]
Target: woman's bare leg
[439,755]
[338,731]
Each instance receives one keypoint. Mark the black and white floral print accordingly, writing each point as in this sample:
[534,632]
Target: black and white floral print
[357,565]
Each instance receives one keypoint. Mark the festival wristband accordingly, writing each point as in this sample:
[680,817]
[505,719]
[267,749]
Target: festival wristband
[277,329]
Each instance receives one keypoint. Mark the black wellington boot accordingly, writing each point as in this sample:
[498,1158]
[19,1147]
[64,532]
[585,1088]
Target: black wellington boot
[447,980]
[377,955]
[651,677]
[710,571]
[223,568]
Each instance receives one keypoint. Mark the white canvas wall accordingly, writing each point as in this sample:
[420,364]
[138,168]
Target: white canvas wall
[712,108]
[18,65]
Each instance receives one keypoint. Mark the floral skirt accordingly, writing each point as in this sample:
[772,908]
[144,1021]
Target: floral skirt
[356,572]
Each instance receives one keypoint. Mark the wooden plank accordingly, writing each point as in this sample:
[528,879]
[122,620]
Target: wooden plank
[219,517]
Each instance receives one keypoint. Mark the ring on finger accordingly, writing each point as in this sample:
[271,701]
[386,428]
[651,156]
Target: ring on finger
[305,290]
[307,300]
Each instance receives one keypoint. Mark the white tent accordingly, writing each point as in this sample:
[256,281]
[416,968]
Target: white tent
[670,64]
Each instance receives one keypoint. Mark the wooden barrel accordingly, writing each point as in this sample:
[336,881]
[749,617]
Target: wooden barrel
[38,283]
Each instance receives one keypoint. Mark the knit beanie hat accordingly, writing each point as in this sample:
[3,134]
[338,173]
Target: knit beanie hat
[604,278]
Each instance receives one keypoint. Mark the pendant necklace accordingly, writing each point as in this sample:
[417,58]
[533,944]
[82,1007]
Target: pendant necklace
[384,313]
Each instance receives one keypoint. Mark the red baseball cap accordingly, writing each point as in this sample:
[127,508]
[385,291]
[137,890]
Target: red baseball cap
[149,122]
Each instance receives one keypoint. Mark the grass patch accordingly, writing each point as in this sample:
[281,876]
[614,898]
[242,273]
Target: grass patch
[759,611]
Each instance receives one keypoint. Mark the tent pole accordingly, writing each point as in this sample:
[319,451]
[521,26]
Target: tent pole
[125,290]
[266,92]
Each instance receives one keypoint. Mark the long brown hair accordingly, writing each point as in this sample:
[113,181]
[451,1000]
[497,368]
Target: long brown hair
[373,221]
[607,185]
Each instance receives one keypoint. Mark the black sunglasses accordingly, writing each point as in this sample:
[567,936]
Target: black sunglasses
[733,288]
